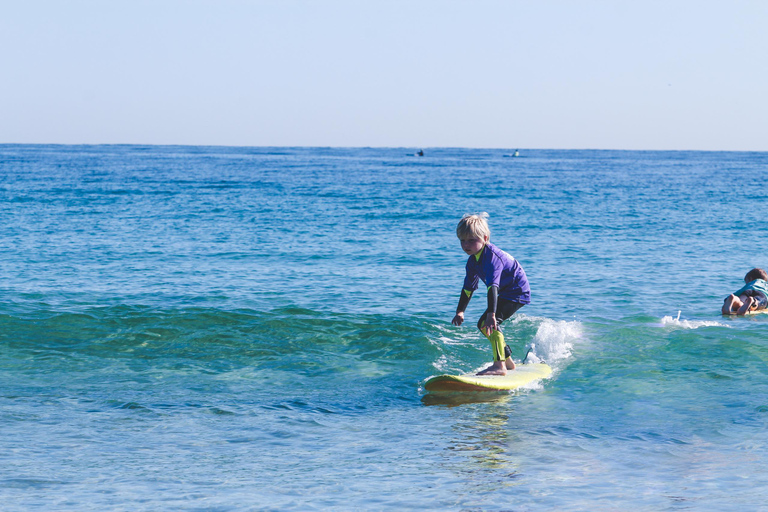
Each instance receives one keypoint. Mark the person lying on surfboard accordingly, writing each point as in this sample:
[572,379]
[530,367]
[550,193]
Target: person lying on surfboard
[751,297]
[508,288]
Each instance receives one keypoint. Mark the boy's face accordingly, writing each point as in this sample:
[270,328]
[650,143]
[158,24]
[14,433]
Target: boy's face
[473,245]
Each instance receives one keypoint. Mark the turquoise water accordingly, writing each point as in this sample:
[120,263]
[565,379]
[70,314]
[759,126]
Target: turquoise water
[207,328]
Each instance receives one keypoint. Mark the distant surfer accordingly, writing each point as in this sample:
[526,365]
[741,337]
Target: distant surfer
[752,297]
[508,288]
[516,153]
[421,152]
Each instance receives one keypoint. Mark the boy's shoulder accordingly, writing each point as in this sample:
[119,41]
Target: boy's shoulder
[497,253]
[760,285]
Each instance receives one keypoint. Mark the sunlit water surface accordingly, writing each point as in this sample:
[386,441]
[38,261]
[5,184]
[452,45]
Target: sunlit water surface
[206,328]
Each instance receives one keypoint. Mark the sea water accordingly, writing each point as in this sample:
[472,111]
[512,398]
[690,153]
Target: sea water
[212,328]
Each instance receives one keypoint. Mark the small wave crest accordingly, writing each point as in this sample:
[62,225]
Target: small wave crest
[689,324]
[553,340]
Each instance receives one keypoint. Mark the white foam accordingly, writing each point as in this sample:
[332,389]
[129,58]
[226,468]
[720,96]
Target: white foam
[689,324]
[459,339]
[554,340]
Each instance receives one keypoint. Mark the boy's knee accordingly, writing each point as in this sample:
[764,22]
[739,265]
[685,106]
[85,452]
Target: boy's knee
[481,322]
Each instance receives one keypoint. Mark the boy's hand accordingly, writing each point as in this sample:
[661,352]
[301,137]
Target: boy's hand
[458,319]
[490,323]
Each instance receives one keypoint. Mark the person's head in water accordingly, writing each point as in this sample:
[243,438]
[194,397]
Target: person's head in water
[756,273]
[473,231]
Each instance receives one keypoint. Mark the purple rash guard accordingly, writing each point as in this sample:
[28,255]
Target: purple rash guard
[497,268]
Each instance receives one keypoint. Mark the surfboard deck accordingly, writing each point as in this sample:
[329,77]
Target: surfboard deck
[520,376]
[748,313]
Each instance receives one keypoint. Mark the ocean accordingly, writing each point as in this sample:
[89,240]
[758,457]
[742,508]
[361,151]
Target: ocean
[234,328]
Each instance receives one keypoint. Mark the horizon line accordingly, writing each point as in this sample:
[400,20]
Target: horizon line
[487,148]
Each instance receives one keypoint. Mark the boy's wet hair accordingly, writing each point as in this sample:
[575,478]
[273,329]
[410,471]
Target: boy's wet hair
[473,226]
[756,273]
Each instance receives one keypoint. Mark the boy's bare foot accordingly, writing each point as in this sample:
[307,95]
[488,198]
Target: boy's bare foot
[497,368]
[510,364]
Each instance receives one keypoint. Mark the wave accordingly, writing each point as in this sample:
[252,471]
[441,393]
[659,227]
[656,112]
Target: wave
[554,339]
[288,348]
[532,340]
[128,328]
[668,321]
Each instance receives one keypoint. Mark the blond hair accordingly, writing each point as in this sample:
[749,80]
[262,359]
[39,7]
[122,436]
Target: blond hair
[473,226]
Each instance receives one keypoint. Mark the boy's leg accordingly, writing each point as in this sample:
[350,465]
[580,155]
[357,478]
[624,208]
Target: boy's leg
[497,347]
[746,305]
[501,352]
[507,308]
[731,304]
[755,301]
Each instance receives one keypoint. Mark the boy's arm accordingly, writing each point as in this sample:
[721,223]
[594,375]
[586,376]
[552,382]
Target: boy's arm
[463,301]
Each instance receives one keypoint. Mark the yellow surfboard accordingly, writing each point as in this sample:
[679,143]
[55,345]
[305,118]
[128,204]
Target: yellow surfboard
[520,376]
[749,313]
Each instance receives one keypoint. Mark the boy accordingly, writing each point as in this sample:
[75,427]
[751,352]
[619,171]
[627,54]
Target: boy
[508,288]
[751,297]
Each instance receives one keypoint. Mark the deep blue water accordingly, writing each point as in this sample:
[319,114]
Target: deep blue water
[209,328]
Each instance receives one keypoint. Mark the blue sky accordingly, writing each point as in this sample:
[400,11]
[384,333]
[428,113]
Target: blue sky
[497,74]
